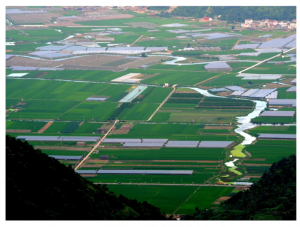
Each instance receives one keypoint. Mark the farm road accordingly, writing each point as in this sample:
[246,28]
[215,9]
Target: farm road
[259,63]
[94,148]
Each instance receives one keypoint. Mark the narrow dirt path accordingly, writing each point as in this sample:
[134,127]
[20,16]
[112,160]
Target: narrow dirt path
[97,144]
[263,61]
[174,88]
[137,39]
[45,127]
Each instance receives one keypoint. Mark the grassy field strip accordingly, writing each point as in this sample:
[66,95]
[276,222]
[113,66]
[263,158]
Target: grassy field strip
[186,200]
[259,63]
[162,102]
[137,39]
[86,157]
[80,103]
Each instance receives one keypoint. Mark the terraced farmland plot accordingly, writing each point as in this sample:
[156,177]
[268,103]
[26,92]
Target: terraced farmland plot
[203,198]
[25,125]
[43,109]
[165,154]
[179,77]
[163,129]
[87,111]
[140,111]
[37,89]
[167,198]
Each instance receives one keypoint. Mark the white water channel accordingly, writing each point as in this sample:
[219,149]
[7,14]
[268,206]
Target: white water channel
[244,122]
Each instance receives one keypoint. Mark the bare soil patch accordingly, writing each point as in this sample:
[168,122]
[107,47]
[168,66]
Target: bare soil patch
[253,176]
[223,198]
[272,85]
[255,164]
[18,130]
[240,188]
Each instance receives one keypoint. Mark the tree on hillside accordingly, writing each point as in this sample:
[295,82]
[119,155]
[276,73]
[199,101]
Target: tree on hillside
[39,187]
[273,197]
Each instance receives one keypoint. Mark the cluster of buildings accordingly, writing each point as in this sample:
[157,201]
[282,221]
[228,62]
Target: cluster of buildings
[249,23]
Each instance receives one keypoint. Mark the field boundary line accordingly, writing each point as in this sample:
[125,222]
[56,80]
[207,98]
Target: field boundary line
[137,39]
[174,88]
[207,80]
[235,45]
[187,199]
[80,103]
[261,62]
[97,144]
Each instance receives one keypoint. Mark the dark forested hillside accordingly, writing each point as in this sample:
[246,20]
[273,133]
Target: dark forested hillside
[41,188]
[273,197]
[238,13]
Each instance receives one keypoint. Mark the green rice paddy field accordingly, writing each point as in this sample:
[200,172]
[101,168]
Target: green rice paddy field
[274,129]
[167,198]
[25,125]
[164,154]
[195,178]
[203,198]
[271,150]
[170,198]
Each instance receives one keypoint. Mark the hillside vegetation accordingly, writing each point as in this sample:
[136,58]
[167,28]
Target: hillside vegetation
[41,188]
[273,197]
[238,13]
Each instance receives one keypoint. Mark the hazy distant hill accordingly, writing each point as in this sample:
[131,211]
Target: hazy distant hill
[238,13]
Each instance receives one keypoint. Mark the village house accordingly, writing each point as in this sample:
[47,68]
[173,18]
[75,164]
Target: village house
[205,19]
[292,25]
[248,21]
